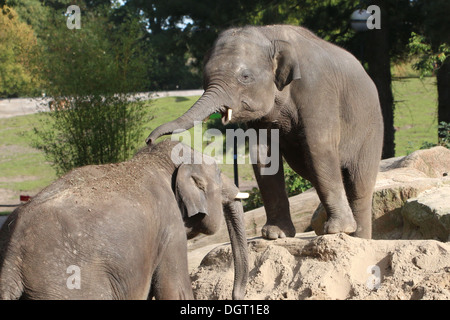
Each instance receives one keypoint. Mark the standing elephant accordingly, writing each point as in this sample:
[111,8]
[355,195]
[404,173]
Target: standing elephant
[119,231]
[324,105]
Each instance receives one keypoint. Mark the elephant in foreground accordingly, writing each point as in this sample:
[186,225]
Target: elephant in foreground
[324,106]
[119,231]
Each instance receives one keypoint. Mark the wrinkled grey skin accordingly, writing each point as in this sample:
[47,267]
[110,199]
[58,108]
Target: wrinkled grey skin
[124,225]
[323,103]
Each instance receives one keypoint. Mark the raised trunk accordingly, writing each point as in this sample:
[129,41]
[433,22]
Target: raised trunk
[203,108]
[234,217]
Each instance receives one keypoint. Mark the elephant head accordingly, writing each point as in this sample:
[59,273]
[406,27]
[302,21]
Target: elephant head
[205,196]
[243,74]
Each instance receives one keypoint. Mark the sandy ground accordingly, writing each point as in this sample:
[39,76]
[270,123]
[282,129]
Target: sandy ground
[331,267]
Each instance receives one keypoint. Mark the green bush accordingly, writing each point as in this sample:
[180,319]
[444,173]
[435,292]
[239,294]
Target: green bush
[253,201]
[444,134]
[294,185]
[91,74]
[444,137]
[91,130]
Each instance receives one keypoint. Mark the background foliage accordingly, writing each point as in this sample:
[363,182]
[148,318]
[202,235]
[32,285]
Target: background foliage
[18,44]
[90,75]
[91,130]
[294,185]
[130,46]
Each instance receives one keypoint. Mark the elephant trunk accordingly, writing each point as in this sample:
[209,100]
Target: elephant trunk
[203,108]
[234,218]
[235,224]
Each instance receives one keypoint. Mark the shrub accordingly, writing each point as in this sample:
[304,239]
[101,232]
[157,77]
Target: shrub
[91,130]
[444,137]
[444,134]
[294,185]
[91,73]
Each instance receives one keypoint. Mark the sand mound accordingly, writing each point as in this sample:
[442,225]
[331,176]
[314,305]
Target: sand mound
[331,267]
[410,203]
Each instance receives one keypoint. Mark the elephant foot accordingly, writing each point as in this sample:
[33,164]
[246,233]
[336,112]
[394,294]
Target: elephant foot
[345,224]
[274,231]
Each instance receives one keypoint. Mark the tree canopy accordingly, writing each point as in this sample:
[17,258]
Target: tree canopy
[177,33]
[17,46]
[160,44]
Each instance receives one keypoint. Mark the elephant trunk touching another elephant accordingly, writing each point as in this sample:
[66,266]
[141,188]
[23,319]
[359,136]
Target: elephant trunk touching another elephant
[323,104]
[202,109]
[120,231]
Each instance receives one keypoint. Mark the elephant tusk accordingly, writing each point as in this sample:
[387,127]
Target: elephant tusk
[226,115]
[242,195]
[229,113]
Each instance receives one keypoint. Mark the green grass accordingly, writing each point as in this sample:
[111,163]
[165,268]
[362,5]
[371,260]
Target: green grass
[415,116]
[25,169]
[22,167]
[167,109]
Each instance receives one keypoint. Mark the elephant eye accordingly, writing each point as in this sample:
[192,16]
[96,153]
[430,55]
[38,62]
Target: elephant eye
[200,183]
[246,77]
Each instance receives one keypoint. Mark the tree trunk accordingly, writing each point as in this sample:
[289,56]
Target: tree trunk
[378,59]
[443,88]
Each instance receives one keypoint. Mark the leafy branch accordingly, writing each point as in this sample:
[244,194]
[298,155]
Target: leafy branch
[429,59]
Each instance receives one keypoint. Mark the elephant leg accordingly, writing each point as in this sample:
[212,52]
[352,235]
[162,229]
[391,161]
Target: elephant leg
[171,279]
[359,185]
[362,210]
[331,191]
[276,203]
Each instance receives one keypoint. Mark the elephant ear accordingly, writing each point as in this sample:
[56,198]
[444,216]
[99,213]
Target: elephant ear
[190,192]
[286,62]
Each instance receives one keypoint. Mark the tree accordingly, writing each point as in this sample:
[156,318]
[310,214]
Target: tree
[18,45]
[32,12]
[379,69]
[436,26]
[329,19]
[443,85]
[90,73]
[182,31]
[430,43]
[196,23]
